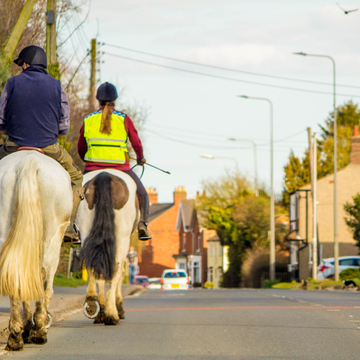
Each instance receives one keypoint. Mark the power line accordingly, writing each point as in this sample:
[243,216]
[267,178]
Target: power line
[227,78]
[228,69]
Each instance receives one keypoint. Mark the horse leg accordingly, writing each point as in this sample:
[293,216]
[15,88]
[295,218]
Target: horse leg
[15,341]
[100,318]
[111,313]
[27,321]
[38,335]
[91,295]
[119,298]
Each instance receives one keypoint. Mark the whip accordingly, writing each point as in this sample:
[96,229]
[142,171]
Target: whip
[155,167]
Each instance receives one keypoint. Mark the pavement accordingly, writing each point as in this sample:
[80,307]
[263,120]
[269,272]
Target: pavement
[64,300]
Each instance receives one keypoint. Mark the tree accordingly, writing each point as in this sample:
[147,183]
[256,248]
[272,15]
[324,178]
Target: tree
[352,219]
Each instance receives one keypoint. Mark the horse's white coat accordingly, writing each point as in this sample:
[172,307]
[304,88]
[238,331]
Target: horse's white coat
[124,221]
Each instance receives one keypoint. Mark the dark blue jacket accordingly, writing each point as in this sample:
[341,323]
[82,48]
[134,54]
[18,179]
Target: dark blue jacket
[33,108]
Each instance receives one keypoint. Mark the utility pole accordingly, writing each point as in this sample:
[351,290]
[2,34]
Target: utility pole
[92,99]
[51,33]
[18,29]
[311,159]
[314,193]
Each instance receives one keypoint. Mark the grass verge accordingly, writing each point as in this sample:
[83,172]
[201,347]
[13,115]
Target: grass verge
[63,281]
[313,284]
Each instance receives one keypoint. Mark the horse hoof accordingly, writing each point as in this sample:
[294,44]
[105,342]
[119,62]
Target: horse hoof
[26,337]
[14,343]
[91,308]
[49,321]
[37,340]
[100,318]
[108,320]
[122,316]
[121,311]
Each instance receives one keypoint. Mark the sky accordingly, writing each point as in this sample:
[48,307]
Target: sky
[196,112]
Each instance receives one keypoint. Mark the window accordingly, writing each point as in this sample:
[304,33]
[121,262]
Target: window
[210,249]
[220,250]
[184,242]
[210,274]
[175,274]
[199,239]
[182,266]
[349,262]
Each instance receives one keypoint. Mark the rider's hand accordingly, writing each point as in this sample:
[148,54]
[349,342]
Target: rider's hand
[141,161]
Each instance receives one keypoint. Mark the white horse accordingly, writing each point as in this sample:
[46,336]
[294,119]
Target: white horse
[106,220]
[35,208]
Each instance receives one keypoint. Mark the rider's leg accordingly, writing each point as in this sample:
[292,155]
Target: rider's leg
[144,207]
[58,153]
[8,148]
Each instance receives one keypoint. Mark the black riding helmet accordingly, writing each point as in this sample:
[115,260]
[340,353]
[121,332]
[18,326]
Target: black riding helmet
[32,55]
[106,92]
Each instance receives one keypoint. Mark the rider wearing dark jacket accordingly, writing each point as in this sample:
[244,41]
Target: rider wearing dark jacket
[34,112]
[103,144]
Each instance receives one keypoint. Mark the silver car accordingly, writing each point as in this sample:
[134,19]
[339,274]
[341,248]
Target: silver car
[174,279]
[327,268]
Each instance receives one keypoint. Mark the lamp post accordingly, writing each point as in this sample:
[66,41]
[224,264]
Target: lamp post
[272,200]
[213,157]
[336,237]
[255,162]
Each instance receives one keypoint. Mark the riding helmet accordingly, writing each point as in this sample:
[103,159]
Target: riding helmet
[32,55]
[106,92]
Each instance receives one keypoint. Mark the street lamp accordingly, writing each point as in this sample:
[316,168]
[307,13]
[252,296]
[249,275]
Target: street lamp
[336,237]
[213,157]
[272,200]
[255,162]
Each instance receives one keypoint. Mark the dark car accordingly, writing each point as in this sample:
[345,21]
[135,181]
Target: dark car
[142,280]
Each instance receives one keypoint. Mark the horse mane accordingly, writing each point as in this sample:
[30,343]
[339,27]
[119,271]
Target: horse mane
[99,248]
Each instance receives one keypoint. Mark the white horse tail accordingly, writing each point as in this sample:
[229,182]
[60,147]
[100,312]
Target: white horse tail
[99,248]
[22,253]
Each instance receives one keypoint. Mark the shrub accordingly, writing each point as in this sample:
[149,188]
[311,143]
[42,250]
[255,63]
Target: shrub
[350,274]
[209,285]
[269,283]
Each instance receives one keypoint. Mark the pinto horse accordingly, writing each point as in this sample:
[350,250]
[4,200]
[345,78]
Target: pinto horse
[106,219]
[35,208]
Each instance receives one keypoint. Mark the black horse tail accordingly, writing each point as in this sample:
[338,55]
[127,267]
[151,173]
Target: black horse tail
[99,248]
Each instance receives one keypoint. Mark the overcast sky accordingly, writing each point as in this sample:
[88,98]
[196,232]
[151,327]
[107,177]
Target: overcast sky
[192,114]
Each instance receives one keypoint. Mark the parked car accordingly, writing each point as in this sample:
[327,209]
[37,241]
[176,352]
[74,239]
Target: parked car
[174,279]
[327,268]
[142,280]
[154,284]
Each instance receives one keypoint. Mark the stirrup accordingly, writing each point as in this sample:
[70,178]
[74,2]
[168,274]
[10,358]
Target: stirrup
[144,236]
[73,237]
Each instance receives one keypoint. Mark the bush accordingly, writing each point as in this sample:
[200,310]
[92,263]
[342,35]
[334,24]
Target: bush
[209,285]
[348,274]
[269,283]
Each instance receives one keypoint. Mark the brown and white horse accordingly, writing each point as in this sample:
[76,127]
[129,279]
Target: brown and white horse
[35,208]
[106,220]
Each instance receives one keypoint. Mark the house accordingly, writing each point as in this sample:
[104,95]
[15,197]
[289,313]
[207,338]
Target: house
[156,255]
[191,253]
[348,185]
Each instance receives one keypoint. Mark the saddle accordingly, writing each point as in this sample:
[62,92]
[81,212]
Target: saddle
[31,148]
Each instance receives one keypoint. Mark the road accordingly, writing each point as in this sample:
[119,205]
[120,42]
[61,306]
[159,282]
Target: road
[215,324]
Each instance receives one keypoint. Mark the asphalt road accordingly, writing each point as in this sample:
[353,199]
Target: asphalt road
[214,324]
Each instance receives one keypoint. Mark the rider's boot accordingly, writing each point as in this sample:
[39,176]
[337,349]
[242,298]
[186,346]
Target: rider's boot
[144,211]
[72,232]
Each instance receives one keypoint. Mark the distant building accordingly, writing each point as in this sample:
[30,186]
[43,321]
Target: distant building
[348,185]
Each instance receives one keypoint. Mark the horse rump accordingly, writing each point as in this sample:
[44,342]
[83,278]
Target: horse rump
[99,247]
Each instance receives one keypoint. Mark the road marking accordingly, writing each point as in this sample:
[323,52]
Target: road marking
[329,308]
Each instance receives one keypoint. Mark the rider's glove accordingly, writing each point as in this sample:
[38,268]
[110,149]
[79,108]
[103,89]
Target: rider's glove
[141,161]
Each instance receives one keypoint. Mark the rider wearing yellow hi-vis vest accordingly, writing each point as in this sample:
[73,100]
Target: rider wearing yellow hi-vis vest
[103,144]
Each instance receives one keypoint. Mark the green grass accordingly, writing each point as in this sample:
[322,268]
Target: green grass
[63,281]
[314,285]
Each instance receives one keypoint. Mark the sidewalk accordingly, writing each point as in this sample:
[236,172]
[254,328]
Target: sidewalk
[64,299]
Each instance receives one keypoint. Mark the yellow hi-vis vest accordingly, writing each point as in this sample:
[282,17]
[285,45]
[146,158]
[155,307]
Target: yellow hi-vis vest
[105,148]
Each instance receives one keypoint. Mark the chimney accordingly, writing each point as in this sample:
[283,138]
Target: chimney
[179,194]
[152,195]
[355,147]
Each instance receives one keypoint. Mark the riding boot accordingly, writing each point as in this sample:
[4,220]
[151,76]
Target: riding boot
[144,211]
[72,232]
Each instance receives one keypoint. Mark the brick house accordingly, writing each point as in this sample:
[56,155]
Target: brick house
[156,255]
[348,185]
[191,253]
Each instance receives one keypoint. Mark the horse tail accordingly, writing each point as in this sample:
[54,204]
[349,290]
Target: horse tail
[99,248]
[22,252]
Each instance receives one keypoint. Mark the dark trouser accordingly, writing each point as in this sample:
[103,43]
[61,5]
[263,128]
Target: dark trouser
[56,152]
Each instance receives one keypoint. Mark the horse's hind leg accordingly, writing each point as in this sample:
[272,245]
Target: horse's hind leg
[15,341]
[38,335]
[27,321]
[119,298]
[111,313]
[100,317]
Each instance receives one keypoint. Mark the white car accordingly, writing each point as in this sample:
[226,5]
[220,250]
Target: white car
[154,284]
[174,279]
[327,268]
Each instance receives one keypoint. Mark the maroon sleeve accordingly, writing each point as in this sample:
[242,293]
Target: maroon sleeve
[134,137]
[82,147]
